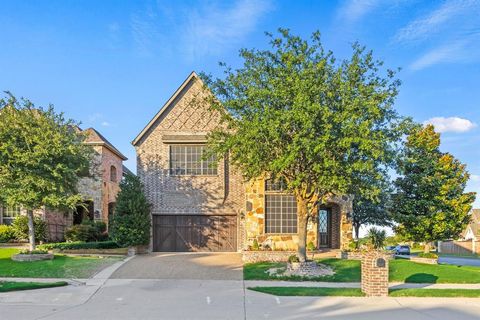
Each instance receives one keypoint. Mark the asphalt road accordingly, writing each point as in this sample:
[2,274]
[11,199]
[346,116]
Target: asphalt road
[460,261]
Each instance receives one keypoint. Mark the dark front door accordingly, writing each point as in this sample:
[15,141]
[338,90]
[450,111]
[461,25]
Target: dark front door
[194,233]
[324,227]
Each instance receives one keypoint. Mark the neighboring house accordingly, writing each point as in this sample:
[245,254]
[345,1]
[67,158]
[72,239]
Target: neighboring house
[472,231]
[203,204]
[99,191]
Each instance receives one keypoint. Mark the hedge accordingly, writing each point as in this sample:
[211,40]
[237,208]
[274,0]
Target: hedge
[79,245]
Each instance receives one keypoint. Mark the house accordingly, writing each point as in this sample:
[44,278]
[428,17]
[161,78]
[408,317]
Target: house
[99,191]
[472,231]
[203,204]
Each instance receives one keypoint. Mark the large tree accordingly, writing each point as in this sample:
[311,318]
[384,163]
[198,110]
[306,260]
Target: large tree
[294,113]
[429,201]
[42,156]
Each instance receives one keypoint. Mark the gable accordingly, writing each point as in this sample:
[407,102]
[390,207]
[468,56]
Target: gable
[184,112]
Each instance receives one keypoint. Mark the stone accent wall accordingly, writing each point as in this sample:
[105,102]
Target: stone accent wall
[110,188]
[91,187]
[187,116]
[375,274]
[255,222]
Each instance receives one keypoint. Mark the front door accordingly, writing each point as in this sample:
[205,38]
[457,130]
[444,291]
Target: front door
[324,227]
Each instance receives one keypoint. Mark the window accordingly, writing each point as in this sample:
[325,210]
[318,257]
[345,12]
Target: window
[188,160]
[113,174]
[280,209]
[9,214]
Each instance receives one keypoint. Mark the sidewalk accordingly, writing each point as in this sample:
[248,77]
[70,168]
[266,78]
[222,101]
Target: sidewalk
[392,285]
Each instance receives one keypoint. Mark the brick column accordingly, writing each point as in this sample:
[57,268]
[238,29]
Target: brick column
[375,274]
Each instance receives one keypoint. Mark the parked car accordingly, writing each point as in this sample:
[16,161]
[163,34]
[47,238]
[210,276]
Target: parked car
[402,249]
[390,248]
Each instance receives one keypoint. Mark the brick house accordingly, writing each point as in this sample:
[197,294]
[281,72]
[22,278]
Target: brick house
[203,204]
[99,191]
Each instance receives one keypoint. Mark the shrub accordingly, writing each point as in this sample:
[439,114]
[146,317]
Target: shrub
[87,231]
[293,258]
[20,228]
[79,245]
[255,246]
[37,251]
[428,255]
[131,221]
[6,233]
[311,246]
[377,237]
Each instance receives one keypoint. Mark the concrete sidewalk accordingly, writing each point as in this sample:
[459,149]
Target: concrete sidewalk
[392,285]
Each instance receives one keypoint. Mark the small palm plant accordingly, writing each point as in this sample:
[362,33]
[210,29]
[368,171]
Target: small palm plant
[377,237]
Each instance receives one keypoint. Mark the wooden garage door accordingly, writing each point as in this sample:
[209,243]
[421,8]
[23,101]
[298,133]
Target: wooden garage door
[194,233]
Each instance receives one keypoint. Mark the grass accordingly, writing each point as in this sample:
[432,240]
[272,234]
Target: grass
[356,292]
[6,286]
[345,271]
[448,293]
[400,271]
[309,291]
[61,266]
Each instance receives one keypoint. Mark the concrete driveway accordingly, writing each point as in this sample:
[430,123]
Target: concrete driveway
[194,266]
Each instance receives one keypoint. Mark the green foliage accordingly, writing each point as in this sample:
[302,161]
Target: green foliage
[20,228]
[87,231]
[6,233]
[311,246]
[294,112]
[293,258]
[79,245]
[255,246]
[429,255]
[6,286]
[377,237]
[310,292]
[36,251]
[131,221]
[430,203]
[42,156]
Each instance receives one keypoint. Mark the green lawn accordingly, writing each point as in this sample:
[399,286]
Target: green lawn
[60,267]
[6,286]
[356,292]
[448,293]
[309,291]
[400,270]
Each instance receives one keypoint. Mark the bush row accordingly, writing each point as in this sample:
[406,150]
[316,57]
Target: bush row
[79,245]
[19,230]
[87,231]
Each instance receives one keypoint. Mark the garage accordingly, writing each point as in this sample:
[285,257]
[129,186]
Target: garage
[182,233]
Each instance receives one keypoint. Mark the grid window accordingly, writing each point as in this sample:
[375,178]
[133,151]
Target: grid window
[280,209]
[188,160]
[9,214]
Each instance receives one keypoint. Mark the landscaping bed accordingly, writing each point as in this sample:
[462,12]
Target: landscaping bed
[61,266]
[349,271]
[85,248]
[6,286]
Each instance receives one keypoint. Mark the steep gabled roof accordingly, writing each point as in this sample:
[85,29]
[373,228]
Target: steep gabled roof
[192,76]
[95,138]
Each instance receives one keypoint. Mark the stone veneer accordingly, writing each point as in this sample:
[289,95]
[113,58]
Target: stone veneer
[375,273]
[255,222]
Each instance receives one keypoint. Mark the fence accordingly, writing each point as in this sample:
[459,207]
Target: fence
[460,247]
[56,232]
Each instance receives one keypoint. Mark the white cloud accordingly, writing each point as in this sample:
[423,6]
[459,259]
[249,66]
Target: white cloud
[452,52]
[211,28]
[451,124]
[432,23]
[105,124]
[354,10]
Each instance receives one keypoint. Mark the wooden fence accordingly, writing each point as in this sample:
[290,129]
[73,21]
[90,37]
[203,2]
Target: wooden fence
[460,247]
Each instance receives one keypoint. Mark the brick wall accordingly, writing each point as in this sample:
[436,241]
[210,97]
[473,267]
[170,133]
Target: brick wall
[375,274]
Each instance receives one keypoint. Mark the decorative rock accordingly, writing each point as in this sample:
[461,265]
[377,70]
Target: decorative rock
[308,269]
[424,260]
[32,257]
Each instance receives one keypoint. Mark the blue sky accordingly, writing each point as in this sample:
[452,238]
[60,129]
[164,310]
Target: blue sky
[112,64]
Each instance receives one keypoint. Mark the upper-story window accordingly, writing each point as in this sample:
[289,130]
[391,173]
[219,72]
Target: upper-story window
[280,208]
[9,214]
[188,160]
[113,174]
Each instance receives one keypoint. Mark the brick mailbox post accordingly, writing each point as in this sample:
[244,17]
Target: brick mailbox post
[375,274]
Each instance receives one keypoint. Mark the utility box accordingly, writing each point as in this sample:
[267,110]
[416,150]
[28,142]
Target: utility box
[375,273]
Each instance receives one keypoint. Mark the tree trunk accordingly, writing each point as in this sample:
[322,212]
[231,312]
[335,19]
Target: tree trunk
[357,230]
[31,230]
[302,212]
[427,247]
